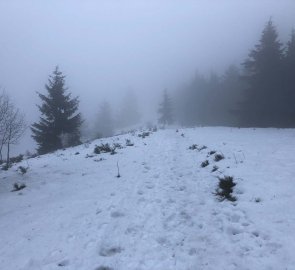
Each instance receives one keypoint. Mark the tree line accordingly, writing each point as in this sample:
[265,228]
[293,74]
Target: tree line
[260,94]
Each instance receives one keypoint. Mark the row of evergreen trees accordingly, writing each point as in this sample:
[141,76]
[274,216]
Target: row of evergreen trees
[211,101]
[270,76]
[261,95]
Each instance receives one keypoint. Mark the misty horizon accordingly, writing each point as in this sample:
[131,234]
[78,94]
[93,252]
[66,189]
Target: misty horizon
[106,48]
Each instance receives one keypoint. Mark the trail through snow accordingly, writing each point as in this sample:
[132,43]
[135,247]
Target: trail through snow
[161,213]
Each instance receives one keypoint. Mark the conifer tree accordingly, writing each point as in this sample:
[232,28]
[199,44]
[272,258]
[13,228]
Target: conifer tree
[263,75]
[165,110]
[59,122]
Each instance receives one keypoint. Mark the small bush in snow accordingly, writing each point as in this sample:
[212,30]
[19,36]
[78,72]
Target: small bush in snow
[202,148]
[129,143]
[17,187]
[34,155]
[22,170]
[225,188]
[218,157]
[117,146]
[215,168]
[144,134]
[212,152]
[193,147]
[113,151]
[98,160]
[16,159]
[103,148]
[204,163]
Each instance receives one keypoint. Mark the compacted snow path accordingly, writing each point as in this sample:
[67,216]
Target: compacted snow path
[161,213]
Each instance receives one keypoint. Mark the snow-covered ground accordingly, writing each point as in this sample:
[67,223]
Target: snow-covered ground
[161,213]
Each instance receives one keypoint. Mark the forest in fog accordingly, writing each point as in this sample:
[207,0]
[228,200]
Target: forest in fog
[257,90]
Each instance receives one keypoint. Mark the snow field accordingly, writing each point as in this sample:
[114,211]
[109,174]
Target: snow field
[162,212]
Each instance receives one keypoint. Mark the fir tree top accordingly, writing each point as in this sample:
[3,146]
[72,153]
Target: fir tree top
[267,53]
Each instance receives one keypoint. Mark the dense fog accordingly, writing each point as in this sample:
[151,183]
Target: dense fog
[111,51]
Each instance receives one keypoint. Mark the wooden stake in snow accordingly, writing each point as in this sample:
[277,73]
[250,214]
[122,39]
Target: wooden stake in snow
[118,175]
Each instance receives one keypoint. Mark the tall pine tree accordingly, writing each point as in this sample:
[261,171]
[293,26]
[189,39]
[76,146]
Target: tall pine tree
[263,75]
[165,110]
[59,122]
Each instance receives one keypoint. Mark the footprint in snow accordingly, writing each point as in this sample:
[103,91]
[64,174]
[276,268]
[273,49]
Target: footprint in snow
[192,251]
[141,200]
[163,241]
[181,188]
[71,237]
[89,244]
[63,263]
[103,267]
[110,251]
[117,214]
[98,211]
[235,218]
[170,201]
[150,186]
[133,230]
[234,230]
[186,218]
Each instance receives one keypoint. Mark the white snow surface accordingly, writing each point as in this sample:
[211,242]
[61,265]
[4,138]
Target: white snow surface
[161,213]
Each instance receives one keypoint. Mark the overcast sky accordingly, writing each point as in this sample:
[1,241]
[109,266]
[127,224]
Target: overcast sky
[106,47]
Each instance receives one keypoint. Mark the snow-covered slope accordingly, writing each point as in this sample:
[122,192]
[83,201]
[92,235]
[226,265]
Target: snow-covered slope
[162,212]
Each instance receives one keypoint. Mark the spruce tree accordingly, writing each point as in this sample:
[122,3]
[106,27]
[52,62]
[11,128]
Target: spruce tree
[263,75]
[165,110]
[59,122]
